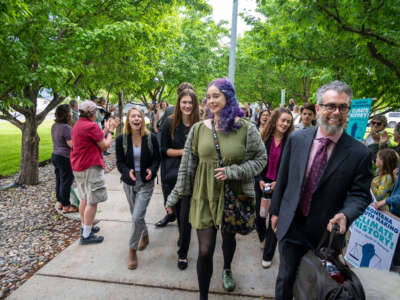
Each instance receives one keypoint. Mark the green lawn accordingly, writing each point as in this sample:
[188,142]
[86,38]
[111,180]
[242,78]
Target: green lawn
[10,146]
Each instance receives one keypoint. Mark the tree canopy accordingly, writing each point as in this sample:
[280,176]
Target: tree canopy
[73,47]
[307,43]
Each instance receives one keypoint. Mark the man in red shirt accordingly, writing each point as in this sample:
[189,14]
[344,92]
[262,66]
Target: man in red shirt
[88,144]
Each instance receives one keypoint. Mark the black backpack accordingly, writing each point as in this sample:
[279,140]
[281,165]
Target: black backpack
[313,282]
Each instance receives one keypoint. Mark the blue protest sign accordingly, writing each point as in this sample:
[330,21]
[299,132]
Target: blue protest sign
[358,118]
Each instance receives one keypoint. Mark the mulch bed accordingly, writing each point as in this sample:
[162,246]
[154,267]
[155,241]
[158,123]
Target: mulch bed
[32,231]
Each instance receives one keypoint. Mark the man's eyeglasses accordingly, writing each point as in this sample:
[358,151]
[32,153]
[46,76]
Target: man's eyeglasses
[376,123]
[330,107]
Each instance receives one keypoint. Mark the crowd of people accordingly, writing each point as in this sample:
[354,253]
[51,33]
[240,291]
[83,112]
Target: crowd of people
[295,169]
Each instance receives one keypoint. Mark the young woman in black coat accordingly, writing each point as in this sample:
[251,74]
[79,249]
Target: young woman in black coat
[138,160]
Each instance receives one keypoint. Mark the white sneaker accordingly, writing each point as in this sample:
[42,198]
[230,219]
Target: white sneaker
[266,263]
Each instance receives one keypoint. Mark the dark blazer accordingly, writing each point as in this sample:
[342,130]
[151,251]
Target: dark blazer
[126,162]
[344,185]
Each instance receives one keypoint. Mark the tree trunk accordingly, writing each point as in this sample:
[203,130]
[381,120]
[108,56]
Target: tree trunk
[120,114]
[29,166]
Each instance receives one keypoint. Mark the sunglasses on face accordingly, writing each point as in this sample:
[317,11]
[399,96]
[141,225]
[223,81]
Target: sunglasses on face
[375,123]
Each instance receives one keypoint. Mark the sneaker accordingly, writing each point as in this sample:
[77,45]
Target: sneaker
[266,264]
[227,280]
[91,239]
[95,229]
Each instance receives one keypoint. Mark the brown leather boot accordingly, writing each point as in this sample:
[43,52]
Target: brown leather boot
[132,259]
[144,241]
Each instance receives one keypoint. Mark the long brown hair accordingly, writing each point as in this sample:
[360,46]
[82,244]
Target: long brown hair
[177,115]
[389,159]
[128,129]
[270,127]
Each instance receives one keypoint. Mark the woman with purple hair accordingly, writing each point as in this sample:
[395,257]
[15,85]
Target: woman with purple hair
[201,177]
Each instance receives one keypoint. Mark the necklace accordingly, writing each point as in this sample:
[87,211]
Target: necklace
[136,143]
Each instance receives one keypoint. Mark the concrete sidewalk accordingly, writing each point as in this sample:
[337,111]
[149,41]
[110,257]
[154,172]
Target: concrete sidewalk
[100,271]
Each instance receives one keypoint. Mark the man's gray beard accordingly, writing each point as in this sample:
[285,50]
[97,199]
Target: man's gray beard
[330,129]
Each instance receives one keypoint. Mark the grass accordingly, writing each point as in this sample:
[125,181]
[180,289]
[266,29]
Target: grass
[10,146]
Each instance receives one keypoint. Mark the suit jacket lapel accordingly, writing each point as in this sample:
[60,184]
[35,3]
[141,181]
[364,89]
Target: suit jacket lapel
[340,152]
[303,153]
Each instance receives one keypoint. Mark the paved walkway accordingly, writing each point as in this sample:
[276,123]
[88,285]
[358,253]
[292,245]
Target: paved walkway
[100,271]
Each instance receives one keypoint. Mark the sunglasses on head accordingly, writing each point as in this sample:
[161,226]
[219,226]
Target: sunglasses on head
[376,123]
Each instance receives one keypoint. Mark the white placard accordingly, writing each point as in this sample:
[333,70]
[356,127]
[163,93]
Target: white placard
[373,239]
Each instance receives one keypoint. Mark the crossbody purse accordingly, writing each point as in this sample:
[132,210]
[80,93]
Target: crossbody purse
[239,210]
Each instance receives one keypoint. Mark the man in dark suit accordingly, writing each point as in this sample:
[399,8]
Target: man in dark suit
[324,178]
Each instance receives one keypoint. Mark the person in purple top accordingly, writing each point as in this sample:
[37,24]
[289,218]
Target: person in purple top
[62,144]
[274,135]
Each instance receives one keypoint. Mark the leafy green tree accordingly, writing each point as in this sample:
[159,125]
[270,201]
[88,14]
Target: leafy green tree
[193,55]
[64,46]
[355,41]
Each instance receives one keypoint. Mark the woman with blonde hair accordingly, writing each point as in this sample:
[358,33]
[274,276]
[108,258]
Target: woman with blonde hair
[138,160]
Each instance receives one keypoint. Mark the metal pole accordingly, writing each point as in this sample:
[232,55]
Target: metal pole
[232,54]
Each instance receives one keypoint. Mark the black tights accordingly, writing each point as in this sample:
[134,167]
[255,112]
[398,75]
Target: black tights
[207,238]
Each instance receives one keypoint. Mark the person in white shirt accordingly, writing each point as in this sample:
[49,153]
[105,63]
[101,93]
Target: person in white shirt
[307,115]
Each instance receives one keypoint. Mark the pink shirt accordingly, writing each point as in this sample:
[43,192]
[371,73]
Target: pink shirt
[315,146]
[273,159]
[85,152]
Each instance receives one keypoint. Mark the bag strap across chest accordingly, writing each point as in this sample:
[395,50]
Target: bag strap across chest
[214,132]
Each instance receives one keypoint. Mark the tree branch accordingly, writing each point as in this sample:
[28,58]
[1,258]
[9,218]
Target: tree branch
[77,80]
[6,94]
[53,103]
[364,32]
[9,117]
[374,52]
[19,109]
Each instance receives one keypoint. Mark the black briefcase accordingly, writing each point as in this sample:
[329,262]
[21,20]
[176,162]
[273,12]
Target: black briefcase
[323,276]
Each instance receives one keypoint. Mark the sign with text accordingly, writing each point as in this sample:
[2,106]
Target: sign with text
[373,240]
[358,118]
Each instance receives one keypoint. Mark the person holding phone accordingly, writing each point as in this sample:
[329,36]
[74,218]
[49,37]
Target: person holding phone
[275,134]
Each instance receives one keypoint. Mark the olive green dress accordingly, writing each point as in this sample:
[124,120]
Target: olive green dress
[207,204]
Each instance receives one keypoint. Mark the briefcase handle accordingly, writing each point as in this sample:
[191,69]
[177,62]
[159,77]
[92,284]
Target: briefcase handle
[330,236]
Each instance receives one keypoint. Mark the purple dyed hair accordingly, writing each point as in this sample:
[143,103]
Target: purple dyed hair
[231,109]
